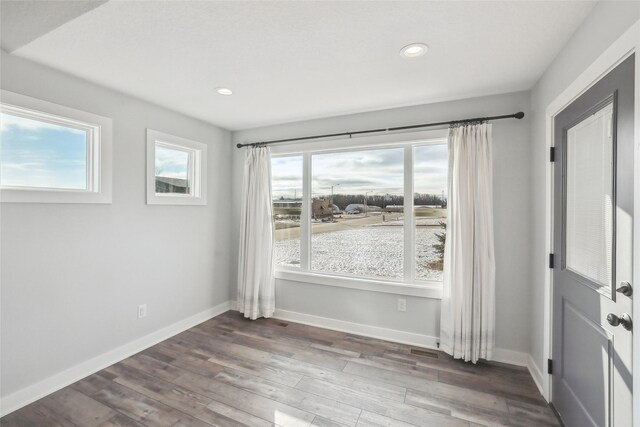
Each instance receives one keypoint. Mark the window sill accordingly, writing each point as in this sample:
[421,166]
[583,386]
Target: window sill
[427,290]
[11,195]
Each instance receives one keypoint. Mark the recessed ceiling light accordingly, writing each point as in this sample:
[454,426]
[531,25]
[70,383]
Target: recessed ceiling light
[224,91]
[414,50]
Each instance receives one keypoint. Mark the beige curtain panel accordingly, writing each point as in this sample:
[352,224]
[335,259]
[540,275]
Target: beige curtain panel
[467,324]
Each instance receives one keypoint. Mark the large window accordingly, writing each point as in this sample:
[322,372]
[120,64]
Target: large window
[51,153]
[371,213]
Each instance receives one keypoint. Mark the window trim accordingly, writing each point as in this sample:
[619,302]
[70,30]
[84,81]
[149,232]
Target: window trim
[421,289]
[99,151]
[409,285]
[197,170]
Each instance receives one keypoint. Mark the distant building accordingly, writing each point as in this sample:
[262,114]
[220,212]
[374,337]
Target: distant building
[287,203]
[321,208]
[288,209]
[165,184]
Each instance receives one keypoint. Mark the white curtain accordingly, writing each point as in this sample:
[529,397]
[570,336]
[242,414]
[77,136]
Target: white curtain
[467,321]
[256,288]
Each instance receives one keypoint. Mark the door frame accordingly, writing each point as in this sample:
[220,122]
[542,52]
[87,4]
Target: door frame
[618,51]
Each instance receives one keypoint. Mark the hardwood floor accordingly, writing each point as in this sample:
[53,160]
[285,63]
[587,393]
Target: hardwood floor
[229,371]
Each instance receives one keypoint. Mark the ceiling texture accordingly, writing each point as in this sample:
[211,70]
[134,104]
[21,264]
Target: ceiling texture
[288,61]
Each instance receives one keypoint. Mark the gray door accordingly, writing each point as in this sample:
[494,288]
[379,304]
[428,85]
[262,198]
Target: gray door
[592,274]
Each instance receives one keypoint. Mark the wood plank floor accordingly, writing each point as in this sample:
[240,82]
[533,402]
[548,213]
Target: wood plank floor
[229,371]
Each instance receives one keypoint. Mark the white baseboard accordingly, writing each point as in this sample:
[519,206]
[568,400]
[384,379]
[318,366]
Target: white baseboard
[401,337]
[536,374]
[54,383]
[511,357]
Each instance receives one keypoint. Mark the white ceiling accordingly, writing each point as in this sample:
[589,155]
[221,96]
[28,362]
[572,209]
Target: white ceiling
[289,61]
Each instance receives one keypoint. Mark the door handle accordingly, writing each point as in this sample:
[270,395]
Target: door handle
[625,289]
[624,320]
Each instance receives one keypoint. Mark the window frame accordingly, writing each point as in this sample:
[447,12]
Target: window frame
[98,148]
[197,173]
[409,284]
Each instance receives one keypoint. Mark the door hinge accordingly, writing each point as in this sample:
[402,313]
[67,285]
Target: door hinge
[552,154]
[549,366]
[551,264]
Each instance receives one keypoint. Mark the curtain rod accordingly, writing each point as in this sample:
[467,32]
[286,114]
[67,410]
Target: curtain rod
[518,116]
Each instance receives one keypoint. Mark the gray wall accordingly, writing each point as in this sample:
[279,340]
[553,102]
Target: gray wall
[73,275]
[607,22]
[511,197]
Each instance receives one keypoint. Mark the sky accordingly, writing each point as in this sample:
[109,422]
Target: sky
[39,154]
[431,169]
[286,173]
[358,172]
[376,172]
[171,163]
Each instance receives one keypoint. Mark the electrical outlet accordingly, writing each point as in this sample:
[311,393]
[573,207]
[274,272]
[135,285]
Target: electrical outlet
[402,304]
[142,311]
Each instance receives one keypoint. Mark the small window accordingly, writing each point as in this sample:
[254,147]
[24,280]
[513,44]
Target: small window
[176,172]
[51,153]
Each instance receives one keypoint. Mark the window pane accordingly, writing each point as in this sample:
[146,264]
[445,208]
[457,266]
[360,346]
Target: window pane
[356,215]
[430,184]
[589,222]
[40,154]
[286,190]
[172,170]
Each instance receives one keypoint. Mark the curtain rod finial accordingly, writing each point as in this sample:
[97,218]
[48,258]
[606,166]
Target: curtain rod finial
[519,115]
[239,145]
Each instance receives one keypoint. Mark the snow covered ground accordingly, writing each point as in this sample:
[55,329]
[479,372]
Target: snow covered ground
[365,251]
